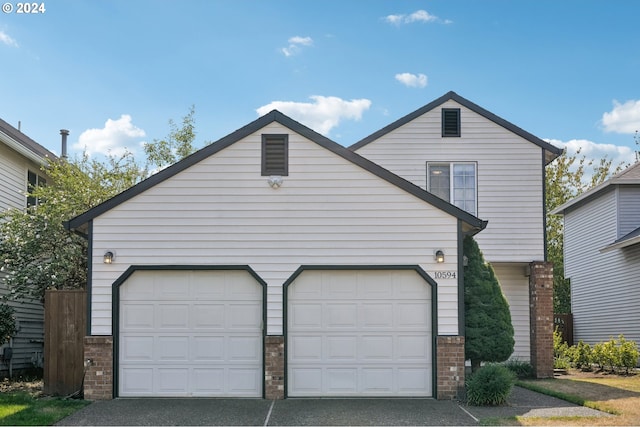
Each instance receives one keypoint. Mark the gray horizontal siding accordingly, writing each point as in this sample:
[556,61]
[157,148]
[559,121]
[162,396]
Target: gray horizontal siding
[628,209]
[605,287]
[28,344]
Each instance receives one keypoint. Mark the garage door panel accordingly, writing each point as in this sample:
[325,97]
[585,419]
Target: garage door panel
[305,348]
[376,348]
[376,315]
[413,380]
[340,315]
[207,381]
[170,348]
[137,316]
[172,316]
[413,315]
[208,348]
[137,381]
[136,348]
[413,347]
[341,381]
[172,381]
[208,316]
[359,333]
[340,348]
[202,339]
[307,316]
[243,316]
[377,380]
[244,349]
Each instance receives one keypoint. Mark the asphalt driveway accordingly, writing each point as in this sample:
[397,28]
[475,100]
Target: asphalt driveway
[258,412]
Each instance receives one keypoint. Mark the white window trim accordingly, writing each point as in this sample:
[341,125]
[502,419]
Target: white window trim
[451,187]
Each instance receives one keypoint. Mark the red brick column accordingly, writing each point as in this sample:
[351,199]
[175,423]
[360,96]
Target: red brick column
[450,367]
[541,317]
[98,359]
[274,367]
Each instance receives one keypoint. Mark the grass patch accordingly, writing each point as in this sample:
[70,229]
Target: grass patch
[21,409]
[615,394]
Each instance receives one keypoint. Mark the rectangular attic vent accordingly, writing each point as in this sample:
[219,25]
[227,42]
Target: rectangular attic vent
[275,155]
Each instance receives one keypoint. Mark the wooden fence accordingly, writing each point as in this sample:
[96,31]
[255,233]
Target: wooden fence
[564,324]
[65,327]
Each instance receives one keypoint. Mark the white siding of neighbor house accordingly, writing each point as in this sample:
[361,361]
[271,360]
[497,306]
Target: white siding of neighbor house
[221,211]
[509,172]
[628,209]
[605,291]
[515,287]
[13,179]
[28,343]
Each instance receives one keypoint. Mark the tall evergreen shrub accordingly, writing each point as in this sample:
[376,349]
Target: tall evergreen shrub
[488,327]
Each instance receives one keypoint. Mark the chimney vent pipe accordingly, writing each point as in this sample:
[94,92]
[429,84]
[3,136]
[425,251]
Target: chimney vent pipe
[64,133]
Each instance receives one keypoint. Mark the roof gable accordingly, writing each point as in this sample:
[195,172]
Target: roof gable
[21,143]
[629,176]
[551,151]
[473,224]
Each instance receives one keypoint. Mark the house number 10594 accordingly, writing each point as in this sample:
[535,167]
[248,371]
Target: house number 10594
[444,275]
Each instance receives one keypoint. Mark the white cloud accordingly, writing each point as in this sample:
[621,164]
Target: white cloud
[412,80]
[624,118]
[295,45]
[7,39]
[420,16]
[594,152]
[116,137]
[321,115]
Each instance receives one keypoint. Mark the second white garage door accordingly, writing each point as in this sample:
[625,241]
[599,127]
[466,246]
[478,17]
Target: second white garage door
[190,333]
[359,333]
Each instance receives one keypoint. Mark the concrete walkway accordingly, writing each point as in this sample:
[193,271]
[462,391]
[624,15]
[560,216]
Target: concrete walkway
[303,412]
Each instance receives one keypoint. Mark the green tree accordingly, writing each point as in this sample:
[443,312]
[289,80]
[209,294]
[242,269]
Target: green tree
[488,327]
[36,251]
[7,323]
[567,177]
[177,145]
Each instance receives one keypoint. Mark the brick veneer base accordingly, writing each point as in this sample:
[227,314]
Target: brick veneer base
[450,367]
[541,315]
[98,379]
[274,367]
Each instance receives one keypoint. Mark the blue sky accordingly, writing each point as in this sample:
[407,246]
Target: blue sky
[114,72]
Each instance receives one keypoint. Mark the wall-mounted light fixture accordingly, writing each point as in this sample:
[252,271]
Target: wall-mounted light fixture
[108,257]
[439,256]
[275,181]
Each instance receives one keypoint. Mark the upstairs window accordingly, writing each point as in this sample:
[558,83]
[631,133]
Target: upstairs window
[455,183]
[275,155]
[450,122]
[33,180]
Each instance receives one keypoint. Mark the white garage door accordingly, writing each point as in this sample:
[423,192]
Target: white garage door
[359,333]
[190,333]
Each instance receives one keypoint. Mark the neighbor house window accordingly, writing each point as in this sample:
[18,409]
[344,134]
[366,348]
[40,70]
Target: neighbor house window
[455,183]
[275,155]
[450,122]
[33,180]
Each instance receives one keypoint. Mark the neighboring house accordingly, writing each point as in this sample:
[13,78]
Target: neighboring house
[21,159]
[276,263]
[602,258]
[486,166]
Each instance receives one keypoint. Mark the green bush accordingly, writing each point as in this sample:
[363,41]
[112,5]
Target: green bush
[627,354]
[7,323]
[561,352]
[582,356]
[490,385]
[521,369]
